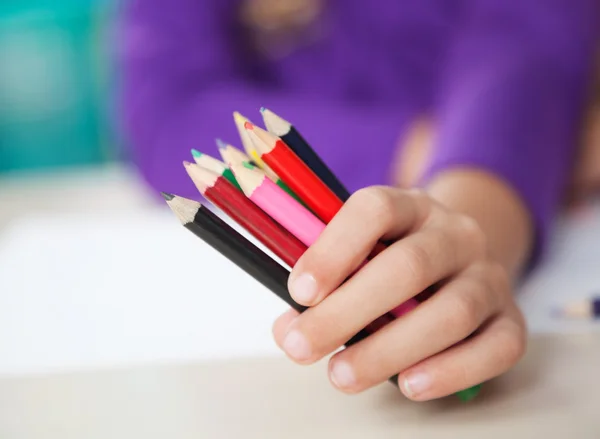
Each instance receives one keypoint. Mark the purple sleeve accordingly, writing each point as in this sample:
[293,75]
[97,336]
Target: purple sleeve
[183,79]
[513,91]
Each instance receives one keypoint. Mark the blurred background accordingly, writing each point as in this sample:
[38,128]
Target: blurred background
[56,84]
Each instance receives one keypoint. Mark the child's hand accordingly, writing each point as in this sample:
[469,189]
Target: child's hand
[466,333]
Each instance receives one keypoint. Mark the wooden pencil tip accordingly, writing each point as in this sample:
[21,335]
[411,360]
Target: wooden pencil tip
[196,153]
[276,124]
[238,118]
[263,109]
[248,125]
[202,177]
[167,196]
[248,177]
[186,164]
[220,144]
[235,167]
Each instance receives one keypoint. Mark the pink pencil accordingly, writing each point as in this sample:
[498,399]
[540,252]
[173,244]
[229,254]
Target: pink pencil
[278,204]
[288,212]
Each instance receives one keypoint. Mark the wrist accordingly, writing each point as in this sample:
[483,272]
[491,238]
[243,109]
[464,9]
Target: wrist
[495,206]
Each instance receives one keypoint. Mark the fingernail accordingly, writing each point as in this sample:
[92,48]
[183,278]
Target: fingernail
[296,346]
[342,375]
[416,383]
[304,288]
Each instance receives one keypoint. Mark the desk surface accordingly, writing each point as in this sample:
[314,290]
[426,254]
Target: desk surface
[553,393]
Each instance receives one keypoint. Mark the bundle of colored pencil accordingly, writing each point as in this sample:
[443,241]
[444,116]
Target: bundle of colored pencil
[281,193]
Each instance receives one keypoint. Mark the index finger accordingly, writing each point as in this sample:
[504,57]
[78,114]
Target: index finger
[370,215]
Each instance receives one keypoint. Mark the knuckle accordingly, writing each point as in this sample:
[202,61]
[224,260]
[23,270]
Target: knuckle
[378,201]
[416,192]
[315,262]
[417,261]
[468,309]
[514,347]
[424,206]
[471,232]
[419,195]
[498,277]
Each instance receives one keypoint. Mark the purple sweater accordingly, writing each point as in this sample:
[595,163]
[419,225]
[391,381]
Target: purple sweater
[505,80]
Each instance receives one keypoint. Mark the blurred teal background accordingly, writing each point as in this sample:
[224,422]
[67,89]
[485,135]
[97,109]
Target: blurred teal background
[56,86]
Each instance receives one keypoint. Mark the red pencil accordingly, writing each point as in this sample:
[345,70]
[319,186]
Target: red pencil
[222,194]
[295,173]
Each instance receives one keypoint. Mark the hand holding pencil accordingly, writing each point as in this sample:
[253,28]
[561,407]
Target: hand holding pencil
[346,287]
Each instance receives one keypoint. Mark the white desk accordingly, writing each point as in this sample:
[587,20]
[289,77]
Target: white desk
[93,273]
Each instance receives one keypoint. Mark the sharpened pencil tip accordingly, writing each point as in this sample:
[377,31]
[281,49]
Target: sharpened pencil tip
[263,109]
[196,153]
[167,196]
[186,163]
[238,118]
[248,165]
[220,144]
[248,125]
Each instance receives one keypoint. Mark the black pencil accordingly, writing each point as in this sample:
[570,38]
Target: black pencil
[219,235]
[292,138]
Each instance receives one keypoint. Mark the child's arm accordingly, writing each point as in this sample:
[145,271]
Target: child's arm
[495,206]
[512,98]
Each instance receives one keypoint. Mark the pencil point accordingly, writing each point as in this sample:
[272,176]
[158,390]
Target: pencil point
[248,125]
[248,177]
[220,144]
[263,109]
[167,196]
[196,153]
[238,118]
[275,123]
[186,163]
[248,165]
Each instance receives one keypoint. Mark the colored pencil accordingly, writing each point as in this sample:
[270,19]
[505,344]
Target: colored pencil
[230,154]
[587,309]
[292,138]
[295,173]
[247,144]
[287,212]
[221,193]
[294,222]
[233,155]
[227,241]
[278,204]
[216,166]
